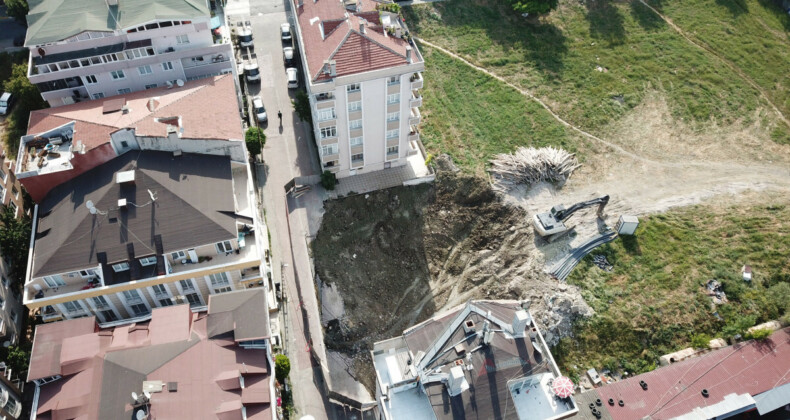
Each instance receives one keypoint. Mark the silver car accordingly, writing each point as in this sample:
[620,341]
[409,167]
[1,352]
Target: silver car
[260,111]
[285,31]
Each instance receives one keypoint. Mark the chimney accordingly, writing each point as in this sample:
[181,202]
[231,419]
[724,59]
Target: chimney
[519,324]
[332,68]
[408,54]
[456,381]
[469,327]
[362,26]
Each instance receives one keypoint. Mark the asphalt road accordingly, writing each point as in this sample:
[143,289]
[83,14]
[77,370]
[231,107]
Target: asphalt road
[9,29]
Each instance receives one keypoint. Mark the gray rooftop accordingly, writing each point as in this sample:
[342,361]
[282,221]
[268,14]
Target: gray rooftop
[194,206]
[56,20]
[242,312]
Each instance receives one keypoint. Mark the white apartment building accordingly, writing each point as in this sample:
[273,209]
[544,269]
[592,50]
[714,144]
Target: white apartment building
[12,312]
[93,49]
[363,75]
[143,201]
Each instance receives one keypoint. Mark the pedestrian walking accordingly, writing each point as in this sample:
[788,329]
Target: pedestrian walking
[280,116]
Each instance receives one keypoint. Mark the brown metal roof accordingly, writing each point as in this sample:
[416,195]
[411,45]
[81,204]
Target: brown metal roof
[194,206]
[752,367]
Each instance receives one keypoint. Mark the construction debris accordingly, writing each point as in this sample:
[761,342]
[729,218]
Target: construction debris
[529,165]
[714,290]
[602,262]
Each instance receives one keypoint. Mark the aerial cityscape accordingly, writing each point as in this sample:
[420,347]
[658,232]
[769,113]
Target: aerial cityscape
[395,209]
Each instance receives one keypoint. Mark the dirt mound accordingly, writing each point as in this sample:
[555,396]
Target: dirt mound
[400,255]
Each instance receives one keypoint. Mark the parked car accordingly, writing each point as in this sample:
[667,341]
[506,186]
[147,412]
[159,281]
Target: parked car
[245,37]
[260,111]
[5,103]
[252,72]
[288,57]
[293,77]
[285,31]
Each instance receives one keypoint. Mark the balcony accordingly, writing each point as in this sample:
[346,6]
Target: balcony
[49,314]
[416,100]
[414,134]
[414,116]
[46,152]
[416,81]
[247,252]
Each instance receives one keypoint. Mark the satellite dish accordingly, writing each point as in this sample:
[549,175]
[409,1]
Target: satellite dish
[147,394]
[180,82]
[134,396]
[93,210]
[169,84]
[42,52]
[89,204]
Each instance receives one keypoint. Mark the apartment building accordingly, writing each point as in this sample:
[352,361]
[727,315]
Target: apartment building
[363,75]
[482,360]
[93,49]
[213,364]
[12,312]
[11,389]
[145,202]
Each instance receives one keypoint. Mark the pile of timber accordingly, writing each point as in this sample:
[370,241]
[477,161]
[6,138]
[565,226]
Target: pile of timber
[529,165]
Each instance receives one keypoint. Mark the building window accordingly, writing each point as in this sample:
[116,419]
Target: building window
[139,309]
[98,95]
[193,299]
[132,296]
[167,66]
[55,280]
[14,316]
[394,98]
[100,302]
[329,150]
[145,70]
[165,302]
[3,175]
[14,208]
[72,307]
[354,124]
[121,266]
[394,80]
[6,282]
[148,261]
[15,191]
[219,279]
[326,114]
[357,158]
[355,141]
[178,256]
[108,316]
[393,116]
[124,90]
[151,86]
[2,303]
[160,291]
[117,75]
[91,79]
[354,106]
[392,150]
[328,132]
[354,87]
[393,134]
[182,39]
[324,96]
[223,289]
[187,286]
[224,247]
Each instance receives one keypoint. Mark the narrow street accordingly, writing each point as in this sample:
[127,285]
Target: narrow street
[287,154]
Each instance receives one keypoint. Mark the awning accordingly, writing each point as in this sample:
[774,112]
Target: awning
[772,399]
[215,22]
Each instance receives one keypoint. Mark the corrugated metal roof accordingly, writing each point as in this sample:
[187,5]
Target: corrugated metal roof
[773,399]
[752,367]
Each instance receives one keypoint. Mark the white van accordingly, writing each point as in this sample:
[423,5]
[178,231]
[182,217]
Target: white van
[245,37]
[252,72]
[293,77]
[5,103]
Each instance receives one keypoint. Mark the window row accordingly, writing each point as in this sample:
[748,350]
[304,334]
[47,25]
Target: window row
[131,54]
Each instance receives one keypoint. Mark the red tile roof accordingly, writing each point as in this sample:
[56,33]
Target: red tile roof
[752,368]
[353,51]
[219,120]
[101,368]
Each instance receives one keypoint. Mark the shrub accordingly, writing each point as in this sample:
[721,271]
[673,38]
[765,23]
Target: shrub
[700,341]
[301,104]
[328,180]
[282,367]
[533,6]
[255,139]
[429,159]
[759,334]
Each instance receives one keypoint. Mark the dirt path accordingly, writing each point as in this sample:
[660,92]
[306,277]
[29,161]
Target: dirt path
[701,45]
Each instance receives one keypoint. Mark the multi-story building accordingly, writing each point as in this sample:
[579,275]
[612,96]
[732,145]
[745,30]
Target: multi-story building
[363,75]
[148,202]
[92,49]
[215,364]
[12,312]
[11,389]
[482,360]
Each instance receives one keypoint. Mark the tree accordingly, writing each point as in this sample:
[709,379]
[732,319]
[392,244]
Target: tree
[301,104]
[15,242]
[17,9]
[533,6]
[328,180]
[282,367]
[255,139]
[28,98]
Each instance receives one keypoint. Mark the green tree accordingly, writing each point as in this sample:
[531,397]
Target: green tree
[533,6]
[28,99]
[301,104]
[255,139]
[328,180]
[282,367]
[739,325]
[17,9]
[700,341]
[15,242]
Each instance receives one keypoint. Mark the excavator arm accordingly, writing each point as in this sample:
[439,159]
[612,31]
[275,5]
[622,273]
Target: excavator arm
[562,214]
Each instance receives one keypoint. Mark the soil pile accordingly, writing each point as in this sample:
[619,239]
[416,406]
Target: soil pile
[397,256]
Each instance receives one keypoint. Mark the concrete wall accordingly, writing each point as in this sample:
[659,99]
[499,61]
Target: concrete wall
[232,149]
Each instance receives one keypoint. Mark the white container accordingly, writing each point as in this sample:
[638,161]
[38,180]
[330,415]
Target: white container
[627,225]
